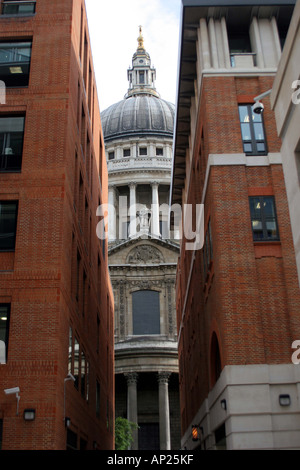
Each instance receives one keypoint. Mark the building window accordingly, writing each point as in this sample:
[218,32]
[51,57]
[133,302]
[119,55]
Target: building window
[143,151]
[146,312]
[10,7]
[142,78]
[15,63]
[263,218]
[11,142]
[126,153]
[111,155]
[8,225]
[4,331]
[252,129]
[159,151]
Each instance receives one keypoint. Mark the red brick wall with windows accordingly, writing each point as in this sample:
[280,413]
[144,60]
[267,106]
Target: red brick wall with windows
[55,221]
[249,298]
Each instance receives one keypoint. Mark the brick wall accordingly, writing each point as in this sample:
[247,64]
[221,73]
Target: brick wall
[249,298]
[48,292]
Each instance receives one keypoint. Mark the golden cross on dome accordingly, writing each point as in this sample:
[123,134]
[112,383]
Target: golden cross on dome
[141,39]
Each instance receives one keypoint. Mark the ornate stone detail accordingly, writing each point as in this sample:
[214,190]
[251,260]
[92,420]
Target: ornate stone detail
[131,377]
[163,377]
[145,254]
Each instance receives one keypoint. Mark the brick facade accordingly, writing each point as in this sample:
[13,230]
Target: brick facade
[238,299]
[56,280]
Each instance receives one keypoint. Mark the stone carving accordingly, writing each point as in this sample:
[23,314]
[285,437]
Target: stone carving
[145,254]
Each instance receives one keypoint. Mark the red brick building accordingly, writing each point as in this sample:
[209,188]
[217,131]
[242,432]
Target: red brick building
[56,304]
[238,299]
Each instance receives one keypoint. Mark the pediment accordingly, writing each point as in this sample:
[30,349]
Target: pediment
[143,251]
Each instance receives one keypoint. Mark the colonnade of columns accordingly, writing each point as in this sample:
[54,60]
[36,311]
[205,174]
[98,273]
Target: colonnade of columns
[114,204]
[164,411]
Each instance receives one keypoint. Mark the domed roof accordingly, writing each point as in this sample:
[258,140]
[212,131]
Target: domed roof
[139,115]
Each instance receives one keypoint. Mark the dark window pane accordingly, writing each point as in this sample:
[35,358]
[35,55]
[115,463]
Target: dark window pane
[11,142]
[263,218]
[143,151]
[269,208]
[146,312]
[15,63]
[8,221]
[15,8]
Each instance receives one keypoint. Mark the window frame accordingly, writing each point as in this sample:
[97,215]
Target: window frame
[153,327]
[254,141]
[264,219]
[18,3]
[5,249]
[14,47]
[4,158]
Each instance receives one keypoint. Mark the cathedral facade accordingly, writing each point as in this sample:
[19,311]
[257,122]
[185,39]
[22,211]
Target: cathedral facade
[143,254]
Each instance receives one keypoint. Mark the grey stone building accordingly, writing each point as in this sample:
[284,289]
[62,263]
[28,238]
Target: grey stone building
[143,254]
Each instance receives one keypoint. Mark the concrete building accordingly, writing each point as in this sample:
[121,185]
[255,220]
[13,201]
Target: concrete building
[238,297]
[138,133]
[56,303]
[285,101]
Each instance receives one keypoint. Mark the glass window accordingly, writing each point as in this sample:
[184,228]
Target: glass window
[18,8]
[111,155]
[252,130]
[142,78]
[4,330]
[126,153]
[143,151]
[11,142]
[146,312]
[15,63]
[159,152]
[263,218]
[8,225]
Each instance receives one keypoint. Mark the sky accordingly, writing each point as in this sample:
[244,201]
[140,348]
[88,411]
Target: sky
[114,29]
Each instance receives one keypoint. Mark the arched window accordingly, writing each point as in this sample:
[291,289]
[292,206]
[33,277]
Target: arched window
[145,312]
[215,360]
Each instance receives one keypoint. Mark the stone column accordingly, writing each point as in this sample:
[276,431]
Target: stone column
[112,214]
[155,210]
[164,412]
[132,210]
[132,414]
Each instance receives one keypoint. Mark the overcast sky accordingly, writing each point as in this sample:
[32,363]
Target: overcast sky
[114,29]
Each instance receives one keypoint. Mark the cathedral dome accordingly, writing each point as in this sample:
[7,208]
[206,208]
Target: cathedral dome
[139,115]
[142,113]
